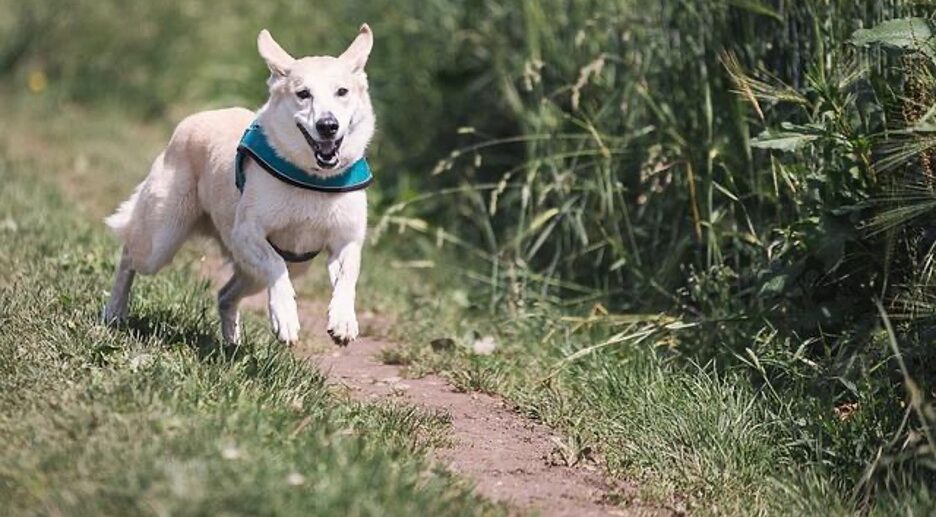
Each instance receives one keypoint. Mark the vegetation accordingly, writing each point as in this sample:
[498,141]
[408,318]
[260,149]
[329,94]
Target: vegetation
[742,192]
[156,419]
[700,231]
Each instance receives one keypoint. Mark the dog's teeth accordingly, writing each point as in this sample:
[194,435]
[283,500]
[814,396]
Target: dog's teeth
[326,152]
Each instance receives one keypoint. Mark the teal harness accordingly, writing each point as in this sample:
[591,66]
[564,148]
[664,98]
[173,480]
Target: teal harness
[254,144]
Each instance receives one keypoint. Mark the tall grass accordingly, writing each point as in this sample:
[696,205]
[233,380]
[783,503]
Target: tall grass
[754,169]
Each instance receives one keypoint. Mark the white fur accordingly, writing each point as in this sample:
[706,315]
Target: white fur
[190,187]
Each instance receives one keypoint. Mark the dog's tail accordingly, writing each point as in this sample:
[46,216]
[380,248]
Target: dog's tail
[120,220]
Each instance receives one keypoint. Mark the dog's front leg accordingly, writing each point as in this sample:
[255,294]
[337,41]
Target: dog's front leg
[259,260]
[344,266]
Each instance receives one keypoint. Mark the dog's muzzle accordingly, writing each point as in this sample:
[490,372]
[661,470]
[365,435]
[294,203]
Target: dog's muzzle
[326,151]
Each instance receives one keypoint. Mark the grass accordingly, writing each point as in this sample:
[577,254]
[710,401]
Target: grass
[156,418]
[711,438]
[672,290]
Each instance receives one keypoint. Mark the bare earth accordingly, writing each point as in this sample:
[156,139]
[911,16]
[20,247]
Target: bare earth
[506,455]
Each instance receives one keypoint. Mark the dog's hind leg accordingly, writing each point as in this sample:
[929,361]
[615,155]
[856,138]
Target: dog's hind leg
[116,309]
[153,223]
[158,218]
[229,297]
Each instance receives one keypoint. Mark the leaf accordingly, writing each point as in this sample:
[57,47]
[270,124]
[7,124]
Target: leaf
[756,7]
[906,33]
[782,140]
[542,218]
[778,282]
[775,286]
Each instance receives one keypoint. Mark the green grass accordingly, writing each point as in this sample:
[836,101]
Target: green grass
[712,438]
[155,418]
[749,370]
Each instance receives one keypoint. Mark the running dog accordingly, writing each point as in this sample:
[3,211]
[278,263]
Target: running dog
[273,187]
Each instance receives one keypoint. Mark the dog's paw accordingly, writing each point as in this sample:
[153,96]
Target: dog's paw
[284,318]
[113,316]
[230,327]
[342,324]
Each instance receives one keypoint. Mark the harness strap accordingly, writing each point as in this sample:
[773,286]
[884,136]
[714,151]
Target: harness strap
[289,256]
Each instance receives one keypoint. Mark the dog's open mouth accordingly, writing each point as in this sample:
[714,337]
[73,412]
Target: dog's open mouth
[326,151]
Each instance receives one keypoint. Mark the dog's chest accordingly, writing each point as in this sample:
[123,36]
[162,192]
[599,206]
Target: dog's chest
[306,221]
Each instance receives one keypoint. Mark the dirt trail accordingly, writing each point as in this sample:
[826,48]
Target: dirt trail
[505,454]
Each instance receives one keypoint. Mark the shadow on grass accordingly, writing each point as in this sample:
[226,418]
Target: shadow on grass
[167,326]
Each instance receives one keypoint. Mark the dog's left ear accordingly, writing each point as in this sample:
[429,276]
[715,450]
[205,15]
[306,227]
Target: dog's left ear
[357,53]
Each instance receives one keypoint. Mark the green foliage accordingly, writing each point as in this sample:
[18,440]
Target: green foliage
[639,185]
[709,439]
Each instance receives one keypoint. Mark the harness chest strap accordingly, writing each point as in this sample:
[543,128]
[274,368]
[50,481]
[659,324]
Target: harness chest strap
[254,144]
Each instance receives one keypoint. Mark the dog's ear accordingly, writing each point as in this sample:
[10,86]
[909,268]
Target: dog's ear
[356,53]
[277,59]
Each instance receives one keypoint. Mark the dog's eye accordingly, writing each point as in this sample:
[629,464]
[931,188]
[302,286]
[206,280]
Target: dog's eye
[342,92]
[303,94]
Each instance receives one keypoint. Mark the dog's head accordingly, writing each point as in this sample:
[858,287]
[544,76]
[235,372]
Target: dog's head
[319,115]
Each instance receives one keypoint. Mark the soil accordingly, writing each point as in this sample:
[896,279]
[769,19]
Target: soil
[509,458]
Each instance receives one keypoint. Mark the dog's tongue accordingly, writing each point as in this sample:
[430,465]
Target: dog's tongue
[327,147]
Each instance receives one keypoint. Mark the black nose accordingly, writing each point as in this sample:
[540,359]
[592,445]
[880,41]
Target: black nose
[327,126]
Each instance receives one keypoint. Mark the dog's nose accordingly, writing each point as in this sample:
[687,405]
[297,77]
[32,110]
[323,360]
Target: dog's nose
[327,126]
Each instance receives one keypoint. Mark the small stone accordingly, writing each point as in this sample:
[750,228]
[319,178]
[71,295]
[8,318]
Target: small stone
[231,453]
[9,225]
[140,361]
[443,344]
[484,346]
[295,479]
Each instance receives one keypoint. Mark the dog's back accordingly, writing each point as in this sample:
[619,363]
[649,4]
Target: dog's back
[193,175]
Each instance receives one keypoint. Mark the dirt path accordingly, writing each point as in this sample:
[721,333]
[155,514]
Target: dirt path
[506,455]
[503,453]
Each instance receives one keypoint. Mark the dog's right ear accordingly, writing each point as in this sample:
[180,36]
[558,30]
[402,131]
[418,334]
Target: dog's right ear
[277,59]
[356,54]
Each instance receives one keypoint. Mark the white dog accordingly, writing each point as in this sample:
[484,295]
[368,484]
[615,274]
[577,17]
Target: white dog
[300,174]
